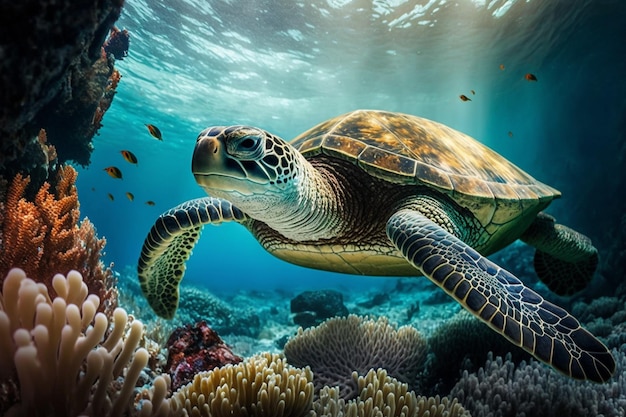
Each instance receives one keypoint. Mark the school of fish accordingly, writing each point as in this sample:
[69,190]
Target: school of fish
[116,173]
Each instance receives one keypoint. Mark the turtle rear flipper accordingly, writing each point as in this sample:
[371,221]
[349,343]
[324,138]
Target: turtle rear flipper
[565,260]
[498,298]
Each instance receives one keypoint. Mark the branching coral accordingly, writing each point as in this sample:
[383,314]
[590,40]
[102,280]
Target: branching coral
[264,385]
[340,346]
[44,237]
[56,349]
[381,395]
[504,389]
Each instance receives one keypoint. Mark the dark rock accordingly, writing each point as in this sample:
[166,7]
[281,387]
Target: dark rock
[437,297]
[377,300]
[413,310]
[44,46]
[311,308]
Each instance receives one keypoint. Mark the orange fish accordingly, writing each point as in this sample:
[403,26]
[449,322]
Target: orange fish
[530,77]
[150,203]
[502,67]
[473,92]
[114,172]
[155,132]
[130,196]
[110,196]
[129,156]
[464,97]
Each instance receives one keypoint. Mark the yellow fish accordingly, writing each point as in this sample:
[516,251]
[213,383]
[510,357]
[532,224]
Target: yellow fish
[473,92]
[129,156]
[154,131]
[130,196]
[464,97]
[114,172]
[150,203]
[530,77]
[110,196]
[502,67]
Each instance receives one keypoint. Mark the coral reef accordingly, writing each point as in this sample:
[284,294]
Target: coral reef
[42,62]
[264,385]
[118,43]
[196,305]
[43,237]
[503,389]
[462,342]
[195,349]
[381,395]
[340,346]
[602,315]
[311,308]
[55,348]
[72,119]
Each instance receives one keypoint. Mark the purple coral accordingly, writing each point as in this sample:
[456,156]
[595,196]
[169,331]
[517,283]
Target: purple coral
[193,349]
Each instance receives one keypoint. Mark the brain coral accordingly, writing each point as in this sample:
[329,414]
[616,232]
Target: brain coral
[340,346]
[263,385]
[381,395]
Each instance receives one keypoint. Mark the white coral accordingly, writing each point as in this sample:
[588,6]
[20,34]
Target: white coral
[57,350]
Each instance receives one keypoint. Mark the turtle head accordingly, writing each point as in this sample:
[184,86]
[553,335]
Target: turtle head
[243,160]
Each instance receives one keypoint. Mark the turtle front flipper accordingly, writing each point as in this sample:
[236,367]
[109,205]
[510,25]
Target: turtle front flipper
[498,298]
[565,260]
[168,245]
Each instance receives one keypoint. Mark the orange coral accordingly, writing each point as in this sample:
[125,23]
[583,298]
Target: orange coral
[114,79]
[49,150]
[44,237]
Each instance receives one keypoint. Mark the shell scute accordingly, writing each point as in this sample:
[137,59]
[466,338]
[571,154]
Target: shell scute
[406,149]
[344,147]
[374,159]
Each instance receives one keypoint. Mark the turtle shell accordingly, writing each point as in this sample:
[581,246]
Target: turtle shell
[406,149]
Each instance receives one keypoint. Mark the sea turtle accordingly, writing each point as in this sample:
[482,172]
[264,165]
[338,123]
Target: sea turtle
[381,193]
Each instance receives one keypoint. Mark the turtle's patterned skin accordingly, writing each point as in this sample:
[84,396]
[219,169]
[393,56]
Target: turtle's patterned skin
[381,193]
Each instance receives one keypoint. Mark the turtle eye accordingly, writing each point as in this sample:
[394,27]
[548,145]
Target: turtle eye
[246,145]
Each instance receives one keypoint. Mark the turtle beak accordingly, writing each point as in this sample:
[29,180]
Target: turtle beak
[217,172]
[208,156]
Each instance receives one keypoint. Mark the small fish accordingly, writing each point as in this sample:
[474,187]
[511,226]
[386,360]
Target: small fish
[114,172]
[130,196]
[155,132]
[502,67]
[110,196]
[510,134]
[530,77]
[464,97]
[473,92]
[129,156]
[93,188]
[150,203]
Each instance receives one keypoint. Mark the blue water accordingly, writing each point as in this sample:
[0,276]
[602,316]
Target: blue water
[286,65]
